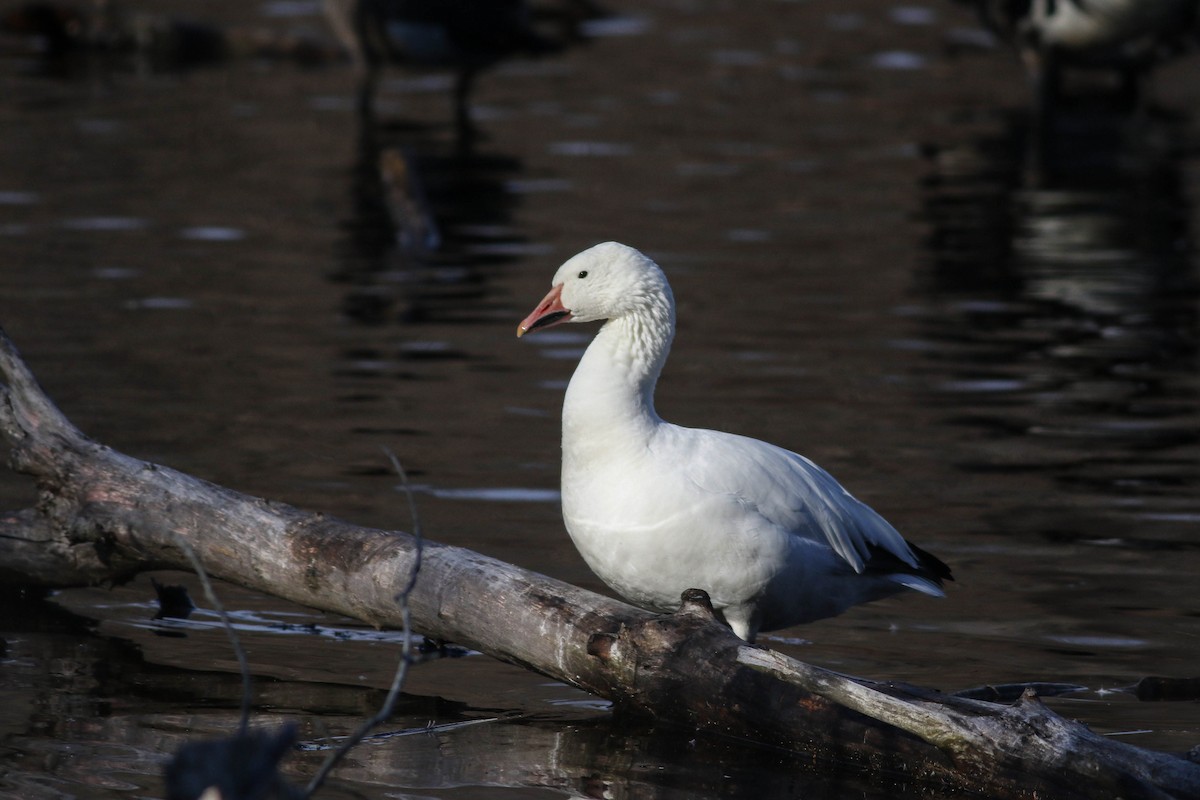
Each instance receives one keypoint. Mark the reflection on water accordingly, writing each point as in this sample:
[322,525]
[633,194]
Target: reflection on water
[430,220]
[597,758]
[1064,320]
[103,697]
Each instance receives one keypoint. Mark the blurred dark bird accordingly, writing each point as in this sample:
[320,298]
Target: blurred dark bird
[76,30]
[59,28]
[1126,37]
[467,36]
[244,766]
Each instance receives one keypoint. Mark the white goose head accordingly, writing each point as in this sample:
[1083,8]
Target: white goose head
[607,282]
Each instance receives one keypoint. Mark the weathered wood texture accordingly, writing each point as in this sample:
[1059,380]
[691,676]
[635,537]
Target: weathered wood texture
[102,516]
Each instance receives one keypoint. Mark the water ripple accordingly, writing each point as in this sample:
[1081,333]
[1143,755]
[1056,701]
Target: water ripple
[105,224]
[510,494]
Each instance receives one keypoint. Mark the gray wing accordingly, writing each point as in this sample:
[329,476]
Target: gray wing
[788,490]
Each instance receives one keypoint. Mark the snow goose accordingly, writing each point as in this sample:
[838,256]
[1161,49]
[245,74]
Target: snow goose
[656,509]
[1130,36]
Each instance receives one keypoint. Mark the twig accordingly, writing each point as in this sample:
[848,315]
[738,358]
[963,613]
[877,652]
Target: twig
[406,659]
[424,729]
[239,652]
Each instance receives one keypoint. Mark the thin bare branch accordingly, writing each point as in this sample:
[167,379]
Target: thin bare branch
[406,656]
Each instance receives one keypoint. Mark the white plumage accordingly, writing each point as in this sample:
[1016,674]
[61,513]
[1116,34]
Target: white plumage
[1130,36]
[656,509]
[1095,24]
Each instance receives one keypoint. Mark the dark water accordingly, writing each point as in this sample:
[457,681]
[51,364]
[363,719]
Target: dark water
[199,267]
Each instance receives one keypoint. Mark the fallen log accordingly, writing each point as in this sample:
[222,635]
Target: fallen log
[102,517]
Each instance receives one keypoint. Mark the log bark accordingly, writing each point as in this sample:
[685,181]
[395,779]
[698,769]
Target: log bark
[102,517]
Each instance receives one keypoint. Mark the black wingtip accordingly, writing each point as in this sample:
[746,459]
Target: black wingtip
[884,562]
[937,568]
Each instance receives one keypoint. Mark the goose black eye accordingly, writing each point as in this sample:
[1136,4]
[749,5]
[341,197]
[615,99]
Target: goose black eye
[583,273]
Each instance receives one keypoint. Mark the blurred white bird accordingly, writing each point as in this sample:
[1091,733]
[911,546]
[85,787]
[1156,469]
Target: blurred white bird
[1127,36]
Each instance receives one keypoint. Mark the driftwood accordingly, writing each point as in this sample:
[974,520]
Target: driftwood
[102,517]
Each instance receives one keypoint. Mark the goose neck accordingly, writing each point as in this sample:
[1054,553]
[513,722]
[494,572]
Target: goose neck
[613,387]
